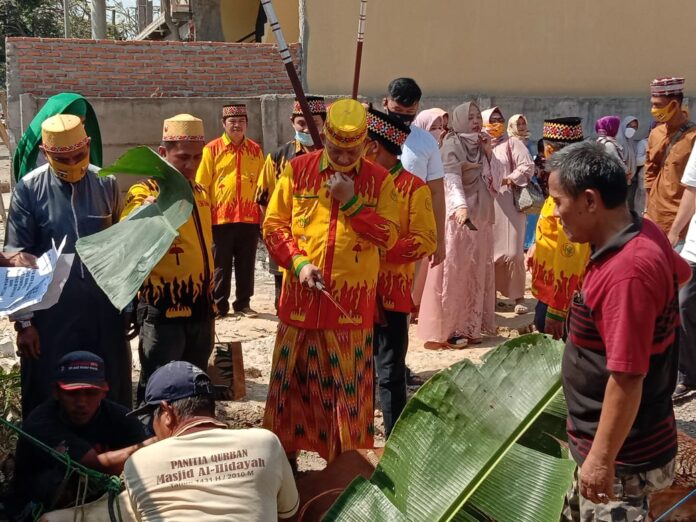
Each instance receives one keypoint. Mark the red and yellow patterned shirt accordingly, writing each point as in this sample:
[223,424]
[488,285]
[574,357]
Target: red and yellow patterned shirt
[304,224]
[180,285]
[230,175]
[417,239]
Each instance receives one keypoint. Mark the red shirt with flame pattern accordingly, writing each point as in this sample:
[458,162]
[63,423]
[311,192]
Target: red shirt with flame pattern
[417,239]
[230,175]
[304,224]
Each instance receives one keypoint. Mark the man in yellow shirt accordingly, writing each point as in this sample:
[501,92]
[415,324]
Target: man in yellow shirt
[175,309]
[328,217]
[275,162]
[229,171]
[557,264]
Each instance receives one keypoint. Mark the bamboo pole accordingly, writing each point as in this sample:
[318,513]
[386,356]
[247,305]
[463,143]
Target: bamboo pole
[292,73]
[359,48]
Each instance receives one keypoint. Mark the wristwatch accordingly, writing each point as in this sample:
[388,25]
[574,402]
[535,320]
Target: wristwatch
[21,325]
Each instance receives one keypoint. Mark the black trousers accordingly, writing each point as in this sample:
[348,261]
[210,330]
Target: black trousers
[234,245]
[687,332]
[390,347]
[540,316]
[165,340]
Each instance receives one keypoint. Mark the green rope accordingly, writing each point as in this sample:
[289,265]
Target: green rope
[102,479]
[112,484]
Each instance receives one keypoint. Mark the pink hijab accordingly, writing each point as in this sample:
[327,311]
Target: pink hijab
[427,118]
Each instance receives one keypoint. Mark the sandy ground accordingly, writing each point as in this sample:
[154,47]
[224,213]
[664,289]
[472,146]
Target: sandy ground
[257,337]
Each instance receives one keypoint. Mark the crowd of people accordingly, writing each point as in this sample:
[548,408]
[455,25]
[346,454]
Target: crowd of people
[399,216]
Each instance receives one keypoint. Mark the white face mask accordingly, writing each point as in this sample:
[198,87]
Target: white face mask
[629,132]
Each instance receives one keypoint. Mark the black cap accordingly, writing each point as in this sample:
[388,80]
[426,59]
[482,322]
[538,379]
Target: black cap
[173,381]
[81,370]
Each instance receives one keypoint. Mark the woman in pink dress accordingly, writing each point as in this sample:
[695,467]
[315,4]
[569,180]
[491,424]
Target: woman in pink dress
[510,223]
[434,121]
[458,304]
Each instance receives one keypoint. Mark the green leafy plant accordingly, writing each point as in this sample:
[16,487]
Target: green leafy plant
[475,443]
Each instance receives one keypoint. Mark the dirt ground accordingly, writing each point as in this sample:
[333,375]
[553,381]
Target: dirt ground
[257,337]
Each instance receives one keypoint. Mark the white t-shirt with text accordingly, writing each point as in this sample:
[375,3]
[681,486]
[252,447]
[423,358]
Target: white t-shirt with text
[217,474]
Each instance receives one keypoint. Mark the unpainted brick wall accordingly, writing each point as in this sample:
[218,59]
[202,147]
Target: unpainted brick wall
[108,68]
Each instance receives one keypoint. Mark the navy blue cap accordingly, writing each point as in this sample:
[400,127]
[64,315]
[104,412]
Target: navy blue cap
[173,381]
[81,370]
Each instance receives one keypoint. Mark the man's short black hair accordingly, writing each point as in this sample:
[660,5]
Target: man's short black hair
[404,91]
[169,145]
[587,165]
[679,97]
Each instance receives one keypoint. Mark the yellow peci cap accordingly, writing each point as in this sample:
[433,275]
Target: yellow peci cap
[63,133]
[183,127]
[346,123]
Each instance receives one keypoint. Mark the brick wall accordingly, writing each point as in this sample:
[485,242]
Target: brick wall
[107,68]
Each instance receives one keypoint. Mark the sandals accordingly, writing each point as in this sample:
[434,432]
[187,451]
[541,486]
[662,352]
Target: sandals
[433,345]
[520,309]
[457,342]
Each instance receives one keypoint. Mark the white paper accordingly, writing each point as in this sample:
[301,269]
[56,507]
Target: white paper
[21,288]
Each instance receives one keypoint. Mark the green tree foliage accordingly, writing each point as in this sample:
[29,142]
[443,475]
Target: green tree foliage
[44,18]
[28,18]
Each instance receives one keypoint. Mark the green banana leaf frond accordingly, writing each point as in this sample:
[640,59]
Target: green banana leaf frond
[122,256]
[475,443]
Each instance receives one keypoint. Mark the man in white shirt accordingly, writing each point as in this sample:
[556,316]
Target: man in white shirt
[420,154]
[199,469]
[686,380]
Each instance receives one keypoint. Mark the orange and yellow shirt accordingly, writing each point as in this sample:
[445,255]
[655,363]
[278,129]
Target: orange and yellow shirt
[417,239]
[558,264]
[230,175]
[180,285]
[304,224]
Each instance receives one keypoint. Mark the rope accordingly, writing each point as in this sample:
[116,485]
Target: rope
[111,484]
[676,506]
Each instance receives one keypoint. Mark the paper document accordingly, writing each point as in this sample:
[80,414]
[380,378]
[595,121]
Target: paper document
[21,288]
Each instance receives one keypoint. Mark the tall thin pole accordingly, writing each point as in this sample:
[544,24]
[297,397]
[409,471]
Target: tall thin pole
[359,49]
[292,73]
[66,18]
[98,17]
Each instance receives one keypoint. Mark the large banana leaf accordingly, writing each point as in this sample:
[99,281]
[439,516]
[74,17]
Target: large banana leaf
[474,443]
[122,256]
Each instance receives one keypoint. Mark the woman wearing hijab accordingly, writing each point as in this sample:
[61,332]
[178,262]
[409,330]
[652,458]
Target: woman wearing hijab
[434,121]
[510,223]
[458,303]
[625,138]
[27,153]
[607,127]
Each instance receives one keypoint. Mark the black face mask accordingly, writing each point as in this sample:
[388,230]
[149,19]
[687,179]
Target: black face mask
[406,119]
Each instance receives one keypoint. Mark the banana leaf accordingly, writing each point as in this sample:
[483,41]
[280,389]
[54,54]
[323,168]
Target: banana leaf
[122,256]
[474,443]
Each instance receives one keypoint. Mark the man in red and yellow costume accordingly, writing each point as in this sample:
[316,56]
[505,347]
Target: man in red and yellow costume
[229,171]
[175,306]
[557,264]
[417,239]
[329,215]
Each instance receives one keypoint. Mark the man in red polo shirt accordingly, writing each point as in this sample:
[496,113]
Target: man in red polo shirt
[620,362]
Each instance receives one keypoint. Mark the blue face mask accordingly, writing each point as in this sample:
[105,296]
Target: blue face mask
[304,138]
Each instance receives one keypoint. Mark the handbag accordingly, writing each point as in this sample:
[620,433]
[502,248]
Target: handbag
[530,198]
